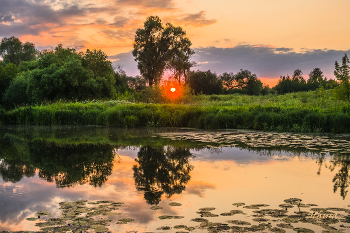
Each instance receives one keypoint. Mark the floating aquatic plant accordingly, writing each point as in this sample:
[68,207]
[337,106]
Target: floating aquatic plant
[175,204]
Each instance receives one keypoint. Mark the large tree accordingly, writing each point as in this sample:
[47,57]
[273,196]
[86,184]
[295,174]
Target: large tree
[14,51]
[157,46]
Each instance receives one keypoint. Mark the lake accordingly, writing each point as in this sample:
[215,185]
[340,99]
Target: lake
[99,179]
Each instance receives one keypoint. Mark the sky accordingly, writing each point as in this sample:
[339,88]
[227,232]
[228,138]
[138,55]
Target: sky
[268,37]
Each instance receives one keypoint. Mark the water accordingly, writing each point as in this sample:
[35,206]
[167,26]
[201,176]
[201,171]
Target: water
[97,179]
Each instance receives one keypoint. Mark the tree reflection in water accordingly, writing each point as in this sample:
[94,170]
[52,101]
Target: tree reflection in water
[341,179]
[162,170]
[14,156]
[63,163]
[14,170]
[70,164]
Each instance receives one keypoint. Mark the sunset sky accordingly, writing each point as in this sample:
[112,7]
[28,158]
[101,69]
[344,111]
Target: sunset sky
[268,37]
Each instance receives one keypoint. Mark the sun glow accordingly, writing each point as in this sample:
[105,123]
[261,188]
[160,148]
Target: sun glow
[172,91]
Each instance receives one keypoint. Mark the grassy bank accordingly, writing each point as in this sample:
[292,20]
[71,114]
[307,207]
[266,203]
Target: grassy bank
[296,112]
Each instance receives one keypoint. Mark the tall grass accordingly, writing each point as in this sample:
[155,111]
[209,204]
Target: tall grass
[296,112]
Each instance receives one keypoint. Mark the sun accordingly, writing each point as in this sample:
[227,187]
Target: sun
[172,91]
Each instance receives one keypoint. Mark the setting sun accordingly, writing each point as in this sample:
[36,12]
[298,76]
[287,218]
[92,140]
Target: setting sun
[173,89]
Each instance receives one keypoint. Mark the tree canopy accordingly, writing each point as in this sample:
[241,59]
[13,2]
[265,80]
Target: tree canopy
[206,82]
[14,51]
[157,47]
[242,82]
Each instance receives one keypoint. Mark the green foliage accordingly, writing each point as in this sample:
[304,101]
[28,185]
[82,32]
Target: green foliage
[343,75]
[156,46]
[204,82]
[27,66]
[297,83]
[14,51]
[126,86]
[296,112]
[243,82]
[16,93]
[65,74]
[7,74]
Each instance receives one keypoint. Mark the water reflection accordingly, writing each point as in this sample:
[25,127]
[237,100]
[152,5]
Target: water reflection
[70,164]
[15,161]
[14,170]
[75,156]
[63,163]
[341,178]
[161,170]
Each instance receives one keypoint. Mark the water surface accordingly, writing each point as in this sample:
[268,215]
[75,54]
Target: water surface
[171,180]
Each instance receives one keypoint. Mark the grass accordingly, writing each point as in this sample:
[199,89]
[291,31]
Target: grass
[312,111]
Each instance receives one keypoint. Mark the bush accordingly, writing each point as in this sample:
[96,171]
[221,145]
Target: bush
[314,122]
[340,123]
[16,93]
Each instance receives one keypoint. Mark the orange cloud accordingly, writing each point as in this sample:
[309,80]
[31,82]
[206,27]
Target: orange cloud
[196,20]
[154,4]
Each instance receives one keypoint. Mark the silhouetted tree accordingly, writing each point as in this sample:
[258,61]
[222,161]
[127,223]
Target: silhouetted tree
[243,82]
[14,51]
[155,46]
[204,82]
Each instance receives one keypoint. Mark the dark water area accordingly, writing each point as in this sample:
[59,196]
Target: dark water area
[99,179]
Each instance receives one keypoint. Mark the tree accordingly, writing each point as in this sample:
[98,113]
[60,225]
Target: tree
[342,73]
[66,74]
[7,74]
[101,72]
[16,93]
[228,81]
[242,82]
[204,82]
[157,46]
[248,82]
[314,79]
[14,51]
[288,84]
[179,62]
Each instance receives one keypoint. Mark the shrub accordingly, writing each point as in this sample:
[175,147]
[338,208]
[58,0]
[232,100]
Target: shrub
[15,94]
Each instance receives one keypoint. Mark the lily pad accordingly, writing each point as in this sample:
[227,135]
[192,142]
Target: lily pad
[303,230]
[293,201]
[238,222]
[238,204]
[175,204]
[155,207]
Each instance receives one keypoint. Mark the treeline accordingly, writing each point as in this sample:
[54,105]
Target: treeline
[30,77]
[297,82]
[49,75]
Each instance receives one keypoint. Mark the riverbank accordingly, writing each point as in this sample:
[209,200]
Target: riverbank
[310,112]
